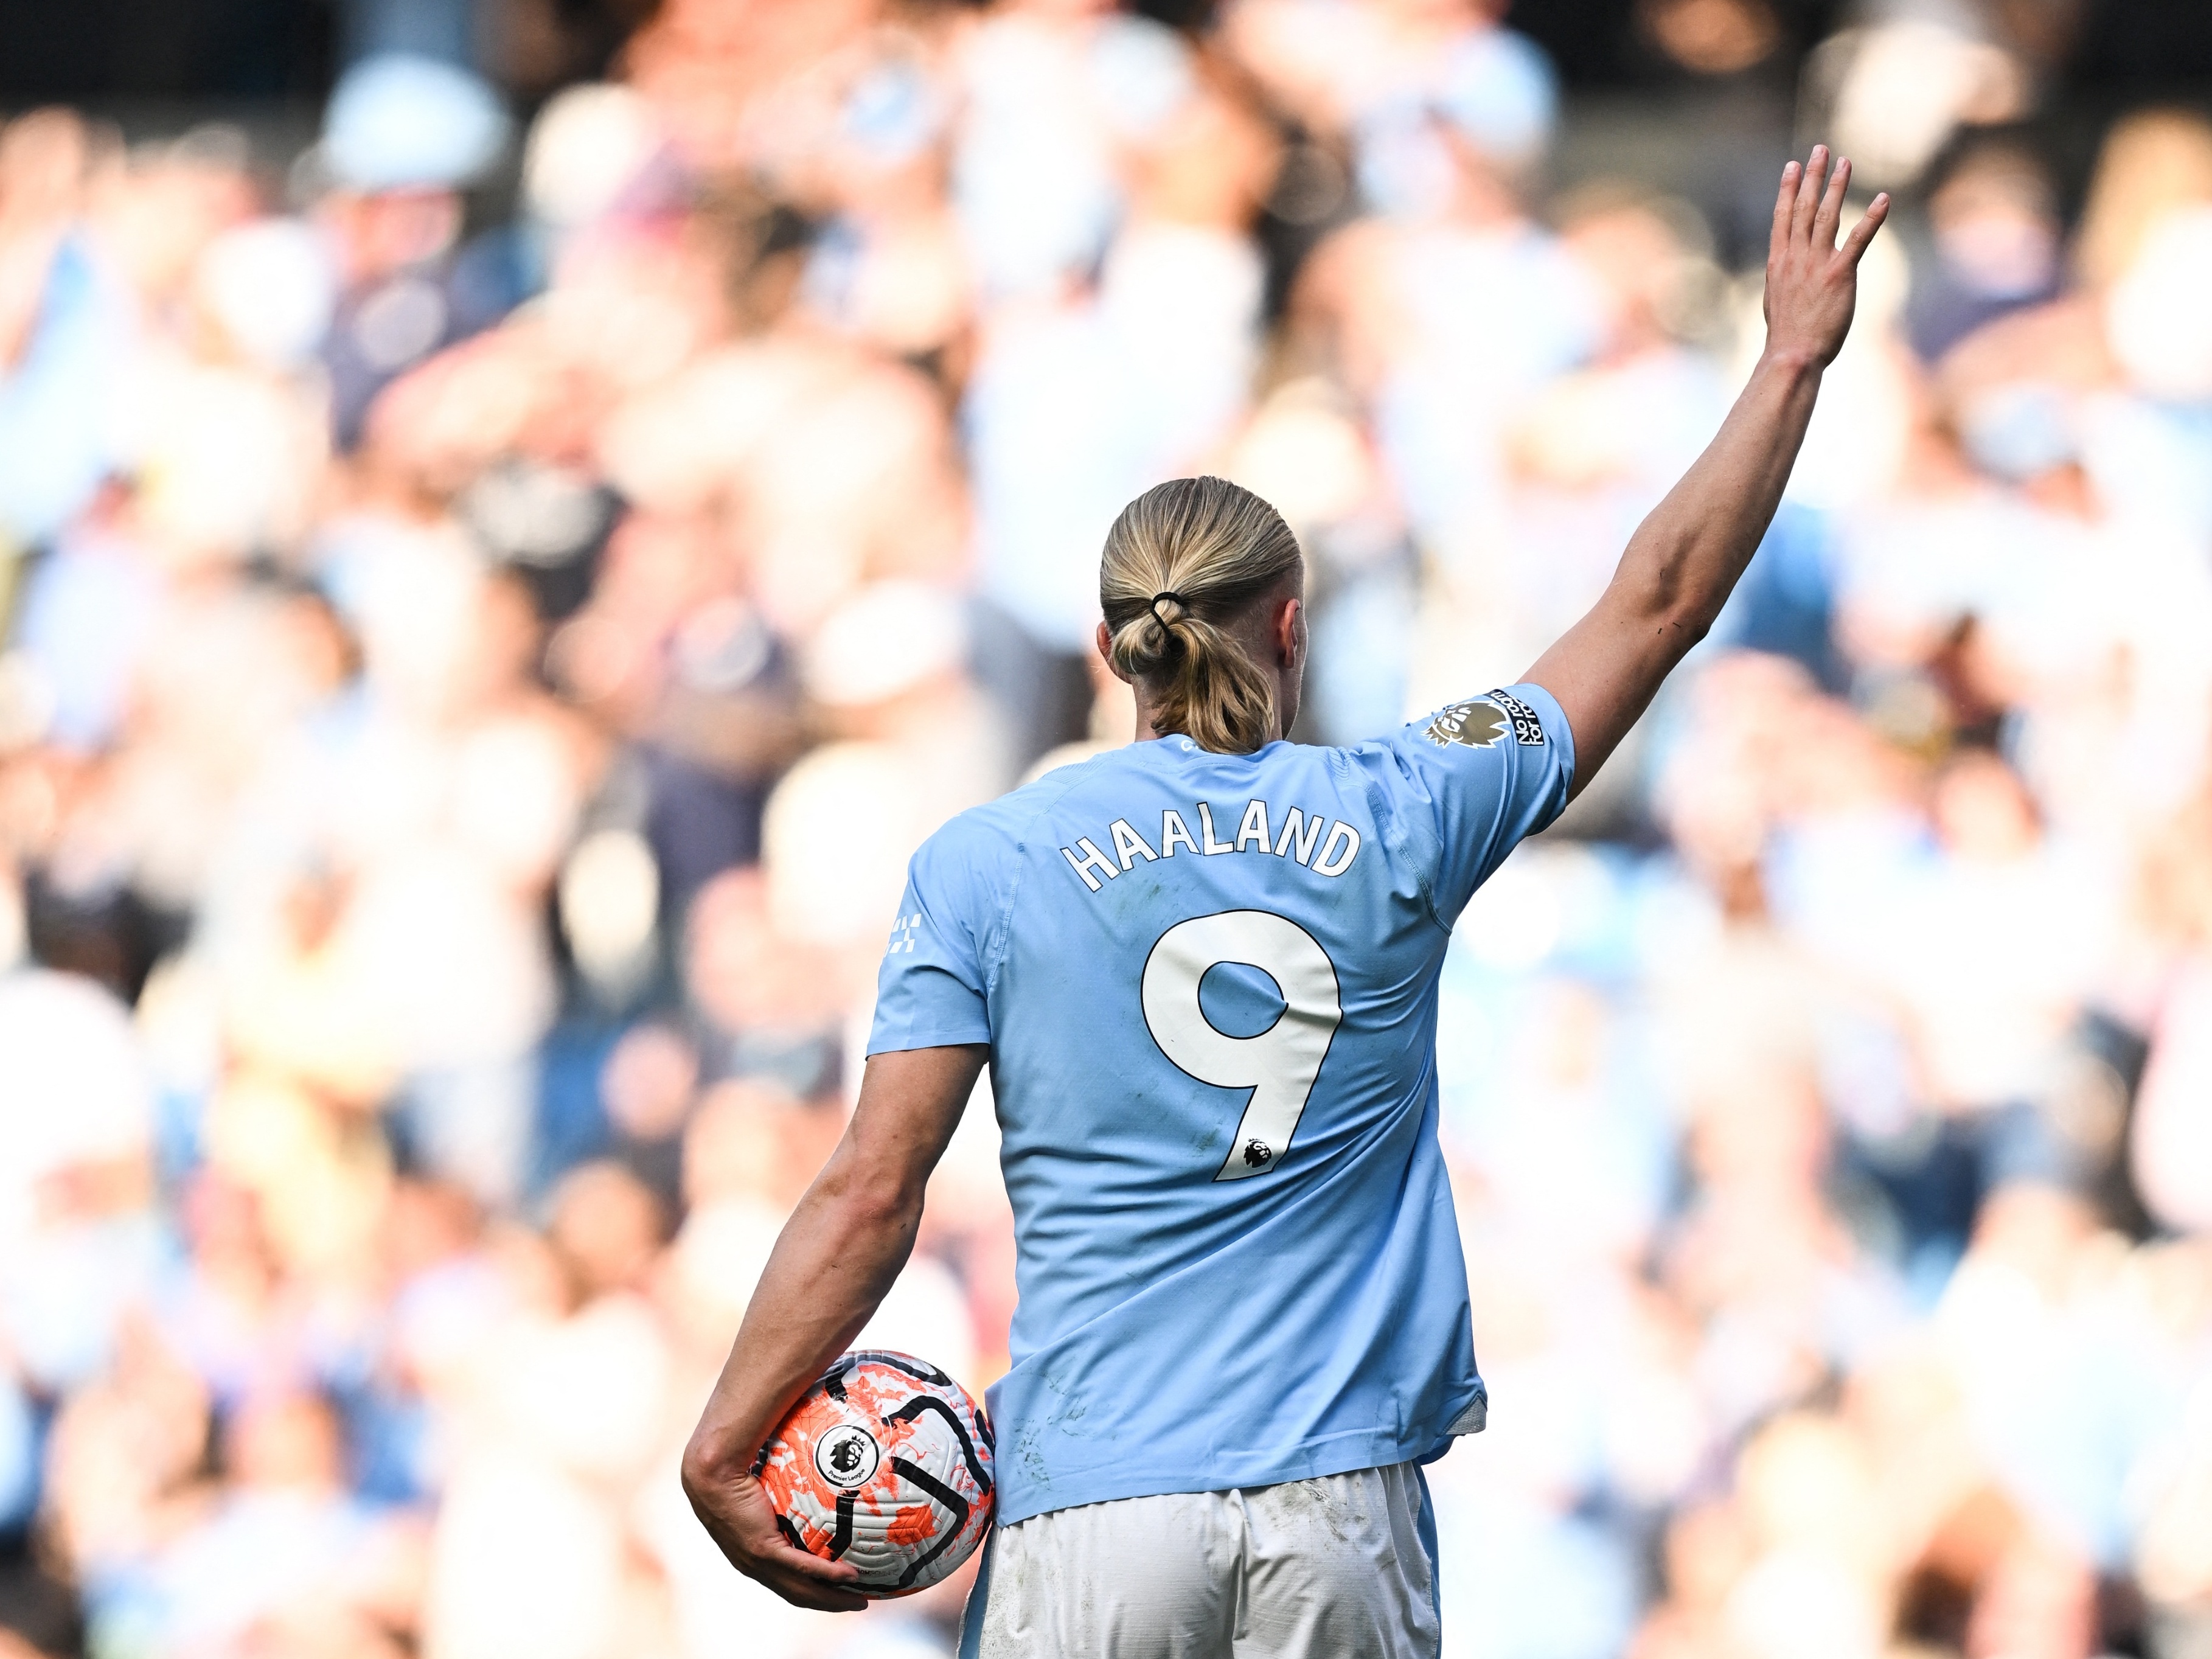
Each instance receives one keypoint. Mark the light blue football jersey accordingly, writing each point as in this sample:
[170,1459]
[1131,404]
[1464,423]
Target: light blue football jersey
[1209,985]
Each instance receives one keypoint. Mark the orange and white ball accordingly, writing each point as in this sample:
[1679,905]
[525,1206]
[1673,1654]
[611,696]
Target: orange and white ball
[886,1463]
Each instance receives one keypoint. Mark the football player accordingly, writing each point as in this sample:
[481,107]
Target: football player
[1203,971]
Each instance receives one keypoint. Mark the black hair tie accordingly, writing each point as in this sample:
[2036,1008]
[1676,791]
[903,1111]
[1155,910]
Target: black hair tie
[1157,598]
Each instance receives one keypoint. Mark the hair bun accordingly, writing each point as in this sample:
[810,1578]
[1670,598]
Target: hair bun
[1183,561]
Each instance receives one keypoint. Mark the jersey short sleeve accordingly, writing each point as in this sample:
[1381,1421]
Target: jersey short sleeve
[932,990]
[1479,775]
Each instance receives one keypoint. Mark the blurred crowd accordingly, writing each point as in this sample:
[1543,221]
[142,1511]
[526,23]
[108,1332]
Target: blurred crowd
[489,607]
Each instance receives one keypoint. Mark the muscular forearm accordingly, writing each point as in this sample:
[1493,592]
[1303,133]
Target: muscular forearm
[837,1257]
[1682,564]
[1685,559]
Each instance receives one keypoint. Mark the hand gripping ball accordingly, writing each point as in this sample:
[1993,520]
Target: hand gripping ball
[886,1463]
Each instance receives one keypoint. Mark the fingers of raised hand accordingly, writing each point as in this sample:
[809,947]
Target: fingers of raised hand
[1809,185]
[1831,214]
[1783,204]
[1855,245]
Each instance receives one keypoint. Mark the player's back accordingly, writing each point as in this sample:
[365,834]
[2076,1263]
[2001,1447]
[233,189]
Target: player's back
[1208,981]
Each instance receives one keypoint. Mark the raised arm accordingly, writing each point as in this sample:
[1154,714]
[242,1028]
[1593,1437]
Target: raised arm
[839,1253]
[1684,560]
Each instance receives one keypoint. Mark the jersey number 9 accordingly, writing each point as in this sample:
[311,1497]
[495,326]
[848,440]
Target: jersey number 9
[1278,1065]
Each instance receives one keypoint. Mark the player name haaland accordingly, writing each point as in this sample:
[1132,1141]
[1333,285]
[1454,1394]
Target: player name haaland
[1325,848]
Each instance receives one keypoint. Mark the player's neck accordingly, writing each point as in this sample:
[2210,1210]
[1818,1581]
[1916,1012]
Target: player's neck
[1147,729]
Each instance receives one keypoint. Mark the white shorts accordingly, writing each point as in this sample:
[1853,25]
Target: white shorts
[1338,1567]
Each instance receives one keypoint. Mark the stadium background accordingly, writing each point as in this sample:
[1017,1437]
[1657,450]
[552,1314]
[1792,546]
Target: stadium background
[514,519]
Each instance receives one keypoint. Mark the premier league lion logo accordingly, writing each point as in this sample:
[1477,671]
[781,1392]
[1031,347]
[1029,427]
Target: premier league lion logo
[1477,723]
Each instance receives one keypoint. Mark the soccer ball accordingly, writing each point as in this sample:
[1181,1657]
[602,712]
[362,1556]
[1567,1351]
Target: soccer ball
[886,1463]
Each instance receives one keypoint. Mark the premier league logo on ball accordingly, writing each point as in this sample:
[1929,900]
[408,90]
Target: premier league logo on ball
[846,1456]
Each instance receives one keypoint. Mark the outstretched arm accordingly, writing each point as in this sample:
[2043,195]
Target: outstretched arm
[838,1255]
[1684,560]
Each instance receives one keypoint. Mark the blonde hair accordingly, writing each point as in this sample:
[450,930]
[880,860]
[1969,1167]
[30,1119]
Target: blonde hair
[1183,560]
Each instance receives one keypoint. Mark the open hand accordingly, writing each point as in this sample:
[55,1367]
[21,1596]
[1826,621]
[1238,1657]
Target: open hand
[735,1509]
[1812,285]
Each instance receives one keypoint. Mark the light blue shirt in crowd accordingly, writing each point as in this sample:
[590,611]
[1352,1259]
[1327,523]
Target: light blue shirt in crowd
[1209,986]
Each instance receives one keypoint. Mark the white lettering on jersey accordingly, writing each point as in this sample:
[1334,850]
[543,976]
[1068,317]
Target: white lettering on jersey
[1254,826]
[1092,858]
[1205,828]
[1128,844]
[1326,848]
[1301,831]
[1329,864]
